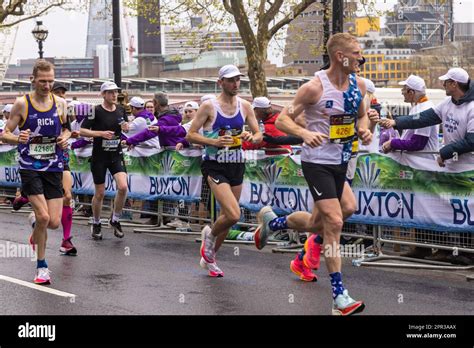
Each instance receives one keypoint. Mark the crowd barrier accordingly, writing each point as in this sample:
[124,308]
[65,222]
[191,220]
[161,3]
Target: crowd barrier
[403,199]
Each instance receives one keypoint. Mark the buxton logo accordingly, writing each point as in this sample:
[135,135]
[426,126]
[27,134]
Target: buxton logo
[271,173]
[368,173]
[167,162]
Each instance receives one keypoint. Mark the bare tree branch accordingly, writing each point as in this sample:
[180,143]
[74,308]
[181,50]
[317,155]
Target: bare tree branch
[37,14]
[227,6]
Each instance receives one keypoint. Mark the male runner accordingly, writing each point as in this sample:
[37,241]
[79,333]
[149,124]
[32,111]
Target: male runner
[223,167]
[334,111]
[44,133]
[105,126]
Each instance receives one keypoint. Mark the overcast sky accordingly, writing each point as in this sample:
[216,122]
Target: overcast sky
[68,31]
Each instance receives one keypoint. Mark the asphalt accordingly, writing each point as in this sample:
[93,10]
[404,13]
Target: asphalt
[144,274]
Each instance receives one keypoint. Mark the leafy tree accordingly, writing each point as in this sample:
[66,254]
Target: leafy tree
[258,22]
[13,12]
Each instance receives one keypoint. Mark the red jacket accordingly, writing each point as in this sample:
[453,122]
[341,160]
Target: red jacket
[272,131]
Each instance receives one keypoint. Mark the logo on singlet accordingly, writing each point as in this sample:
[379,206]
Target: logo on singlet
[329,104]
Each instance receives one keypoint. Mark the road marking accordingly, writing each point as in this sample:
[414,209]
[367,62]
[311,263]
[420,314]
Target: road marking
[37,287]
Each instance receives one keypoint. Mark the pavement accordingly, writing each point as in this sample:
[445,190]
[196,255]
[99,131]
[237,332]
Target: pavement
[144,274]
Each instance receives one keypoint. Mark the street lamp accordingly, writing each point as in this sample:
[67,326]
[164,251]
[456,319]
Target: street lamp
[40,33]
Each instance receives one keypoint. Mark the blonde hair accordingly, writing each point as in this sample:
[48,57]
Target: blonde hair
[43,65]
[339,42]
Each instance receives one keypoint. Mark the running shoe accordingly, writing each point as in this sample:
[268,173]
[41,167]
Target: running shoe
[214,271]
[96,231]
[312,255]
[297,267]
[343,304]
[208,245]
[67,248]
[264,216]
[19,202]
[32,219]
[42,276]
[176,223]
[117,228]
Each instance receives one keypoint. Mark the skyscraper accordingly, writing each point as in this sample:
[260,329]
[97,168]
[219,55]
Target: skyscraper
[150,60]
[99,31]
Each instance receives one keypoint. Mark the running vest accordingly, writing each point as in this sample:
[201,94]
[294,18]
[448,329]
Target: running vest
[41,153]
[335,115]
[232,125]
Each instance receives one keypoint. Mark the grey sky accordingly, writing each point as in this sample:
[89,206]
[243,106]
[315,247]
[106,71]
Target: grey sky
[67,32]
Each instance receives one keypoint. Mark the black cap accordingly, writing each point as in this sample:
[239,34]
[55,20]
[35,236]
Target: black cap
[58,85]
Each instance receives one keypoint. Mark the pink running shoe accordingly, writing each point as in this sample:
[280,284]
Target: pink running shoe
[214,271]
[30,240]
[208,252]
[305,273]
[19,202]
[312,256]
[42,276]
[67,248]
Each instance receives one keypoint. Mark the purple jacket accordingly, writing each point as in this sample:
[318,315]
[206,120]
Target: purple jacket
[171,132]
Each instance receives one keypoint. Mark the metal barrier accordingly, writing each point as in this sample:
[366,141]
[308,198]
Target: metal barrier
[193,216]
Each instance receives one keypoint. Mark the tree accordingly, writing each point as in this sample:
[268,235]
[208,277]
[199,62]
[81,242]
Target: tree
[13,12]
[257,22]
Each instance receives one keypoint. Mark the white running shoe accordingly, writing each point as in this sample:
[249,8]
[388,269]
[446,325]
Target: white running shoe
[264,216]
[208,245]
[214,271]
[176,223]
[42,276]
[343,304]
[32,219]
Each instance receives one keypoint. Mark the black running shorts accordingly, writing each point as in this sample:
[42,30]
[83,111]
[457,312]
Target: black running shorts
[49,184]
[325,181]
[99,168]
[229,173]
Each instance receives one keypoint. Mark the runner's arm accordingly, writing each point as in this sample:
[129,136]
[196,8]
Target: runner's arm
[65,125]
[17,114]
[203,114]
[256,136]
[286,120]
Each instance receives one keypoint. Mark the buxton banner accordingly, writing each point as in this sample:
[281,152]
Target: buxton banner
[164,175]
[388,189]
[395,189]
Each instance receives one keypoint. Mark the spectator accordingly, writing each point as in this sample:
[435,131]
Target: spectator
[142,120]
[167,128]
[272,137]
[413,92]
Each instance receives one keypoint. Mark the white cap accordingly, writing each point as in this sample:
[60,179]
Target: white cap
[261,102]
[8,108]
[369,85]
[456,74]
[207,97]
[137,102]
[229,71]
[108,86]
[191,105]
[414,82]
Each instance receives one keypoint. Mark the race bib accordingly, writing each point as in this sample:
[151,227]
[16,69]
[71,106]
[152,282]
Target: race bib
[110,145]
[341,128]
[42,147]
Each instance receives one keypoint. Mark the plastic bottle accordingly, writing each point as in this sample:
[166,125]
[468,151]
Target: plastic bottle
[228,132]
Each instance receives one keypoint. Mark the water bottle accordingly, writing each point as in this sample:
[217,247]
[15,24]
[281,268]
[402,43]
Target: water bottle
[228,131]
[384,111]
[261,127]
[148,122]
